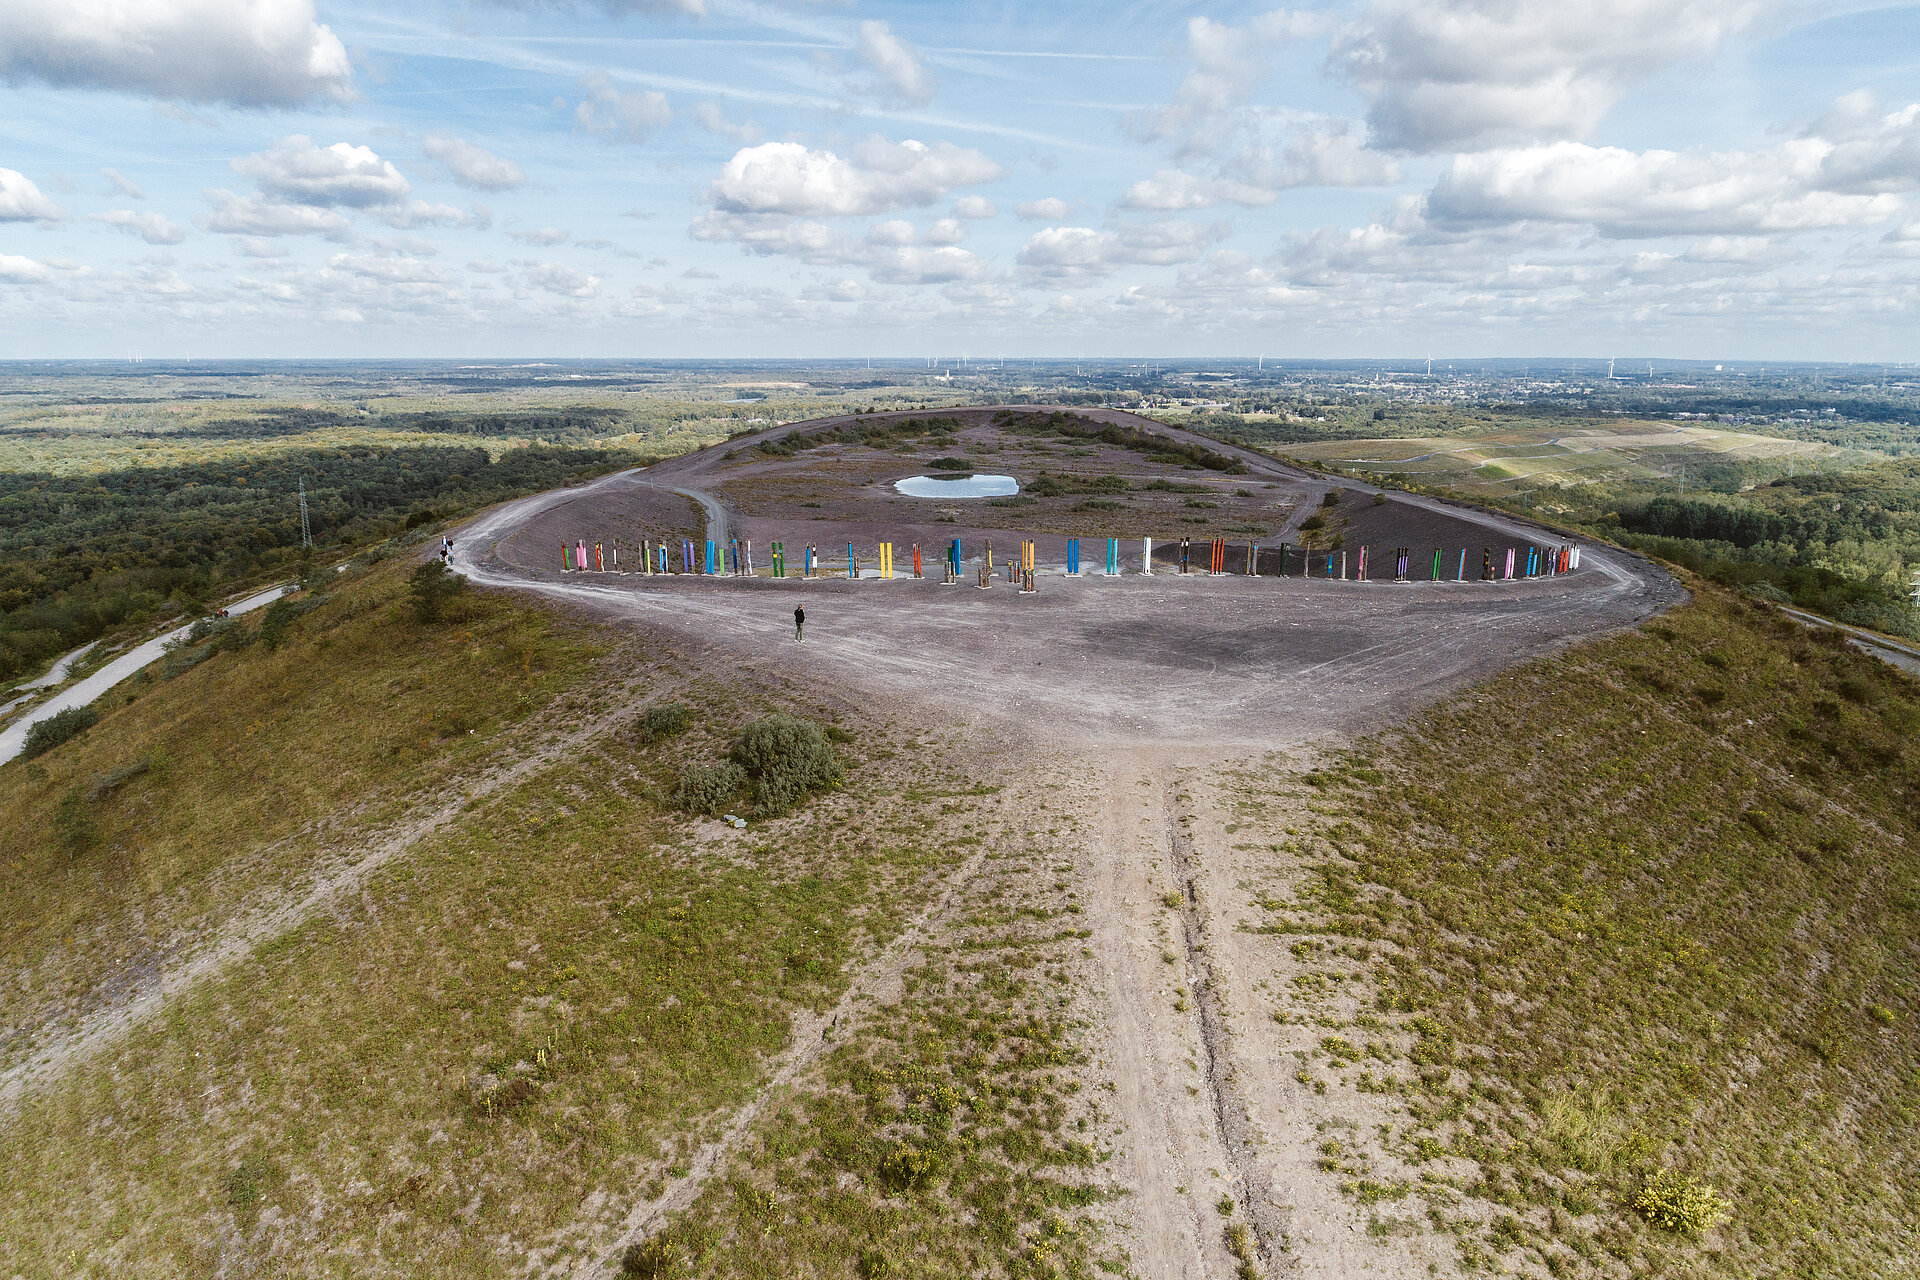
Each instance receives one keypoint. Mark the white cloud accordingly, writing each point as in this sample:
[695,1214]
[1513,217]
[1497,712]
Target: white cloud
[1455,74]
[148,225]
[710,117]
[21,201]
[257,216]
[389,270]
[19,270]
[974,207]
[1228,64]
[613,113]
[788,178]
[767,233]
[543,236]
[1870,151]
[916,265]
[340,175]
[1051,209]
[421,214]
[1327,156]
[893,251]
[1654,193]
[1076,254]
[473,166]
[903,76]
[117,182]
[1175,189]
[251,53]
[557,278]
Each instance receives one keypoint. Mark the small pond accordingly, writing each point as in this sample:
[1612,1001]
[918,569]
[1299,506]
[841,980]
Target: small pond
[971,487]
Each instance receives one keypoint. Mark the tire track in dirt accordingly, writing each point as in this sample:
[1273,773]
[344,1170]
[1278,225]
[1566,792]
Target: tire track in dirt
[1271,1224]
[101,1028]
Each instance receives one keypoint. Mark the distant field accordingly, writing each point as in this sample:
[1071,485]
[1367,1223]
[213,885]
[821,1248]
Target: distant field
[1511,460]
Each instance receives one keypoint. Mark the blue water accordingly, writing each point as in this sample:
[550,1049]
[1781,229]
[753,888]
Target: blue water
[971,487]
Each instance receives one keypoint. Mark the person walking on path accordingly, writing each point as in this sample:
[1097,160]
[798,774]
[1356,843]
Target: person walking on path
[799,621]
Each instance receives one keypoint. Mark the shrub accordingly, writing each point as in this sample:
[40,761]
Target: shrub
[246,1184]
[1311,523]
[1679,1202]
[907,1168]
[56,729]
[708,789]
[1332,498]
[655,1258]
[787,758]
[232,638]
[950,464]
[431,588]
[73,824]
[662,720]
[273,624]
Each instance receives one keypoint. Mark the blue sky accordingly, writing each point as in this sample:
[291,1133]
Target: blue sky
[717,178]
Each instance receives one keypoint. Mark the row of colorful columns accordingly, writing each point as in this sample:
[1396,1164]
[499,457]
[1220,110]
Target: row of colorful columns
[738,559]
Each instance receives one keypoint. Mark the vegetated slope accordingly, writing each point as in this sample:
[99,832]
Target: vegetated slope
[249,769]
[1646,913]
[499,1043]
[950,1131]
[81,554]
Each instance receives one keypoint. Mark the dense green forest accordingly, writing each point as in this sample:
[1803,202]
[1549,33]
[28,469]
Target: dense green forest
[1837,542]
[81,554]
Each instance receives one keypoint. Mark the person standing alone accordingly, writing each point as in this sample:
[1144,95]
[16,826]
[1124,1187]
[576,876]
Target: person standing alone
[799,621]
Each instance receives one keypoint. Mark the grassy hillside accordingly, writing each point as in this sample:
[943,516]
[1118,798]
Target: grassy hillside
[1642,914]
[496,1045]
[256,766]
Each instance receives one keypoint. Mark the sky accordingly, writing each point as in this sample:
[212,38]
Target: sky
[816,178]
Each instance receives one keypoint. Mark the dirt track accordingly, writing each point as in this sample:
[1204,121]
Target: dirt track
[1131,692]
[1135,660]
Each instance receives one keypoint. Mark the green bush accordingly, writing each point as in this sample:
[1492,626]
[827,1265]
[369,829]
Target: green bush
[907,1168]
[655,1258]
[1679,1202]
[708,789]
[73,823]
[275,621]
[662,720]
[788,759]
[56,729]
[431,588]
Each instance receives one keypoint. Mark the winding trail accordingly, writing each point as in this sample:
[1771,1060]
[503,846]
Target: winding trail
[14,738]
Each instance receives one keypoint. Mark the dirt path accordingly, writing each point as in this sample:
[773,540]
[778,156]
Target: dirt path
[811,1035]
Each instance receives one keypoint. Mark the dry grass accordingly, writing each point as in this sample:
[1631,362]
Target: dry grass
[260,766]
[497,1047]
[1649,907]
[951,1133]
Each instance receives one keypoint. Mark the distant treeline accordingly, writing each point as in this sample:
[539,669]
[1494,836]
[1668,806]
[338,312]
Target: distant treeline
[1836,542]
[554,426]
[81,554]
[1745,524]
